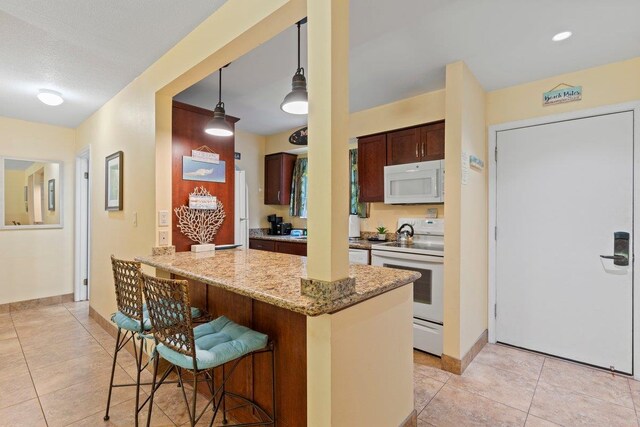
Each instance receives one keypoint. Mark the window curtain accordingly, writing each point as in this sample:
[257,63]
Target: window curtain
[355,208]
[298,203]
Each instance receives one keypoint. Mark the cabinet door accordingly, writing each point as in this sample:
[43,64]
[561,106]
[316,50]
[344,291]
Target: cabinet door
[432,142]
[278,172]
[263,245]
[292,248]
[372,158]
[403,146]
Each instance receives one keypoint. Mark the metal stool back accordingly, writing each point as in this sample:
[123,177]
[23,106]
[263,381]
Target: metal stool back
[128,286]
[168,303]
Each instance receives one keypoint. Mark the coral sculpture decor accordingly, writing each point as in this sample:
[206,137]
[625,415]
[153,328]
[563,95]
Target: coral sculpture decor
[200,225]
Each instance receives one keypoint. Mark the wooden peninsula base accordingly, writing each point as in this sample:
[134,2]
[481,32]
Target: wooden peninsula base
[339,363]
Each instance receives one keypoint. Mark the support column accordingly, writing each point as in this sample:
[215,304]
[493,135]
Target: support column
[328,191]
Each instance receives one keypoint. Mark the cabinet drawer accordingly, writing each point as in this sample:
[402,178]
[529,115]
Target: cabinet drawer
[292,248]
[263,245]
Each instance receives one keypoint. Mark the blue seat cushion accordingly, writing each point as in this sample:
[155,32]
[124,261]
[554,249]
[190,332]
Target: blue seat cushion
[125,322]
[217,342]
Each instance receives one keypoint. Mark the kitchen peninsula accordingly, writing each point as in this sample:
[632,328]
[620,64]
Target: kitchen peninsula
[352,354]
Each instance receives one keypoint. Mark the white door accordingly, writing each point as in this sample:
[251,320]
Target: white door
[563,189]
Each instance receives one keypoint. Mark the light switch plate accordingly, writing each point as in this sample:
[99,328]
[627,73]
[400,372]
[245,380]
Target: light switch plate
[163,238]
[163,218]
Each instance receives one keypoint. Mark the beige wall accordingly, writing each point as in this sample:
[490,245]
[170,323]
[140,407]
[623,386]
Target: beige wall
[14,204]
[360,363]
[251,147]
[138,121]
[424,108]
[609,84]
[38,263]
[465,265]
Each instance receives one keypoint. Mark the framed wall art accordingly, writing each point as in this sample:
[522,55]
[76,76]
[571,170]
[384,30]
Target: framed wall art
[52,195]
[113,182]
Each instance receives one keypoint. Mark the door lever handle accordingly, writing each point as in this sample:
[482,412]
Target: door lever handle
[617,259]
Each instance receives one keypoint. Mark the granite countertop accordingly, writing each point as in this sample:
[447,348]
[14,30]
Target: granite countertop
[353,243]
[274,278]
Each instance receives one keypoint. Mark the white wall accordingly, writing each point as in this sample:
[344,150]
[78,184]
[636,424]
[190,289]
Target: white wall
[38,263]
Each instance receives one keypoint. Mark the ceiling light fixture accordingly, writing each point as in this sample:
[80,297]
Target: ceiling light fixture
[562,36]
[50,97]
[296,102]
[218,125]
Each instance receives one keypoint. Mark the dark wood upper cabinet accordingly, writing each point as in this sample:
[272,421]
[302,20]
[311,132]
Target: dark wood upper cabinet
[278,172]
[403,146]
[372,158]
[432,141]
[416,144]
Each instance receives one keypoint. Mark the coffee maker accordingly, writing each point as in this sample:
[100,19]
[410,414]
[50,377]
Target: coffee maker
[274,227]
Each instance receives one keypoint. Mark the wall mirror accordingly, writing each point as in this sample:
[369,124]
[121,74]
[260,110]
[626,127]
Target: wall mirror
[31,193]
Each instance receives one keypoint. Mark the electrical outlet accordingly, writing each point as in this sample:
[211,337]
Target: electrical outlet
[163,238]
[163,218]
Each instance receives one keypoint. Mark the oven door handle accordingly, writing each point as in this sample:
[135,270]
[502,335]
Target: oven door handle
[403,256]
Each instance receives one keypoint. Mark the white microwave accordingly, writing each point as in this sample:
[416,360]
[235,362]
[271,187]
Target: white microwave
[414,183]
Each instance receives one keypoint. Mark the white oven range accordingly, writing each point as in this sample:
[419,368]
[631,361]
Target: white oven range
[426,256]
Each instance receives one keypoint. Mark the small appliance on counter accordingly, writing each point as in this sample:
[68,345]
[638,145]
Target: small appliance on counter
[285,228]
[354,227]
[274,222]
[277,227]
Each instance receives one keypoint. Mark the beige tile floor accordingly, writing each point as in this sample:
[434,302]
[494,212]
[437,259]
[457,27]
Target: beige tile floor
[504,386]
[55,364]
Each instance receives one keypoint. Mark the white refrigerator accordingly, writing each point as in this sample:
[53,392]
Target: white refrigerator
[241,217]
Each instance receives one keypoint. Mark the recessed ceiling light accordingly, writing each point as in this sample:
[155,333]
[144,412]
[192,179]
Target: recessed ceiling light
[562,36]
[50,97]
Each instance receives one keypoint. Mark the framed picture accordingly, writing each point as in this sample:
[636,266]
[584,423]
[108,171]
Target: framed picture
[113,169]
[194,170]
[52,195]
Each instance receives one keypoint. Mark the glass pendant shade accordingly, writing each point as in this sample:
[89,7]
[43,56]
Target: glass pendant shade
[296,101]
[218,125]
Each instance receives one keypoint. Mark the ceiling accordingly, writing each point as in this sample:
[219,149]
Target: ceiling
[89,50]
[400,49]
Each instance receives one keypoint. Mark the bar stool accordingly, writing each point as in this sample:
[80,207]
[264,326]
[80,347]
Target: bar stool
[132,317]
[201,349]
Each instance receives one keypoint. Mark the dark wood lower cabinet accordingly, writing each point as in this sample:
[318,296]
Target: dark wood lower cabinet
[252,378]
[293,248]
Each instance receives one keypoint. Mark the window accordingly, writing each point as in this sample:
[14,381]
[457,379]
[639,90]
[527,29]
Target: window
[298,203]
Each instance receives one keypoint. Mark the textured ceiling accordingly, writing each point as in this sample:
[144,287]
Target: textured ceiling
[90,49]
[400,49]
[86,49]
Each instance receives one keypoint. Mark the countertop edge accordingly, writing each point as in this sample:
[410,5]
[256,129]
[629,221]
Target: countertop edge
[311,311]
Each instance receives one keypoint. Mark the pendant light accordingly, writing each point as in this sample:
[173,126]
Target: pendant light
[296,101]
[218,125]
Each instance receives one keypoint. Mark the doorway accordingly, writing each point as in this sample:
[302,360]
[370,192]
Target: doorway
[561,188]
[83,225]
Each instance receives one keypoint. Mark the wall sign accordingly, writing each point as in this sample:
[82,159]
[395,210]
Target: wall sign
[299,137]
[200,202]
[560,96]
[205,156]
[476,163]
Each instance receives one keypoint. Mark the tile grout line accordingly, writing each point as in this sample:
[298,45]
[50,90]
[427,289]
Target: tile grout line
[544,360]
[33,384]
[121,366]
